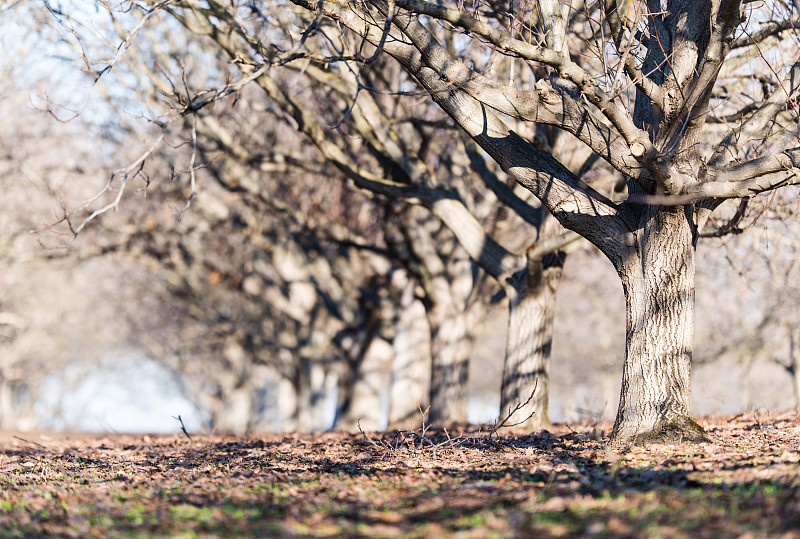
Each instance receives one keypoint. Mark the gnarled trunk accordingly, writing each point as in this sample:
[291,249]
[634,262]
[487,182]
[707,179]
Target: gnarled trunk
[532,297]
[658,280]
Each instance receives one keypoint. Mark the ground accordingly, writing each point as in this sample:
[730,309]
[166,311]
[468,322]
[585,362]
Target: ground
[744,483]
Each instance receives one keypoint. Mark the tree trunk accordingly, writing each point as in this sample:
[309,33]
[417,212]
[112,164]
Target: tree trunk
[365,406]
[411,366]
[794,367]
[17,398]
[744,382]
[312,397]
[287,405]
[270,406]
[796,380]
[658,281]
[451,345]
[447,276]
[6,405]
[532,296]
[233,415]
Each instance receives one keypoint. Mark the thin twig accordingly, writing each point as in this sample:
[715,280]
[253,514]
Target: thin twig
[183,427]
[364,434]
[31,442]
[502,424]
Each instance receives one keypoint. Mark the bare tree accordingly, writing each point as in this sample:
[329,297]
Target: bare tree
[411,180]
[760,264]
[654,140]
[671,59]
[251,303]
[641,102]
[46,300]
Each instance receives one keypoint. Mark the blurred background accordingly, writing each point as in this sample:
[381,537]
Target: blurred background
[282,298]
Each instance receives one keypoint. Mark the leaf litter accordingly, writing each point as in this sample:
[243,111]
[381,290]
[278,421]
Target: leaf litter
[426,483]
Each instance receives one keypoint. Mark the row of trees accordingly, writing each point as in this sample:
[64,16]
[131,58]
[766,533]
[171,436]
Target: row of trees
[412,243]
[373,177]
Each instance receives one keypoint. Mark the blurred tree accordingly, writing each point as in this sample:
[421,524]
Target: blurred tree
[46,301]
[763,256]
[641,101]
[671,60]
[416,240]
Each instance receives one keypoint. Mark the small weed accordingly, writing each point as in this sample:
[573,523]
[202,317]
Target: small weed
[473,520]
[241,513]
[135,514]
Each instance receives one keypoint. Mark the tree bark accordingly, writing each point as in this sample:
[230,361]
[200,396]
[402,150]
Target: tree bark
[451,343]
[658,281]
[532,297]
[6,406]
[794,367]
[365,409]
[411,366]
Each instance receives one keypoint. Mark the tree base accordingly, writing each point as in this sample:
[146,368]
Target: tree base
[679,430]
[534,424]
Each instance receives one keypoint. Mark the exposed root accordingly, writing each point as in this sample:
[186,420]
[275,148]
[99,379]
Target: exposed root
[679,430]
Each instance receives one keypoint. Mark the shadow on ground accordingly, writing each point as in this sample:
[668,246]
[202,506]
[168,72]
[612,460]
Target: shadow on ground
[407,484]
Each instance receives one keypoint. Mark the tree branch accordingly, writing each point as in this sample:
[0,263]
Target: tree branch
[732,226]
[503,192]
[770,29]
[720,190]
[552,244]
[769,164]
[559,61]
[757,123]
[572,202]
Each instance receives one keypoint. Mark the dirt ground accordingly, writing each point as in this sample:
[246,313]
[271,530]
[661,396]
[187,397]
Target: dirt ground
[406,484]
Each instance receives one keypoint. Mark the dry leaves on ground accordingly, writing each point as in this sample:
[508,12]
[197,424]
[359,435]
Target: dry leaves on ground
[560,483]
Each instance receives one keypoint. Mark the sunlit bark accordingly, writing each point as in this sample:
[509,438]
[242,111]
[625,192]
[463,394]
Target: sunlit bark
[658,281]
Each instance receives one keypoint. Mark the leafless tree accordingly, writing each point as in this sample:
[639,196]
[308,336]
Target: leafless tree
[762,257]
[45,298]
[642,104]
[654,100]
[411,180]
